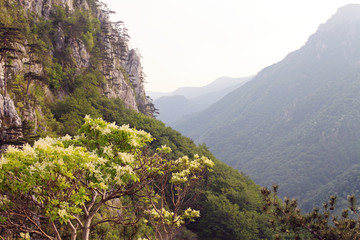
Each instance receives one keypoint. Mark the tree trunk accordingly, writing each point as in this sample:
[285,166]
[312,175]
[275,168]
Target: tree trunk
[86,228]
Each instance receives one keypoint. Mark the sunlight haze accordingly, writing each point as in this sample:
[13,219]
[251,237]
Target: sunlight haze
[193,42]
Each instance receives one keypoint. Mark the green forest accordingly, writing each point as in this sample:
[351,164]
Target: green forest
[222,191]
[86,166]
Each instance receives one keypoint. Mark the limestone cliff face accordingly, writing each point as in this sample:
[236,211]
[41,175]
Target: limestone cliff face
[121,66]
[128,84]
[10,122]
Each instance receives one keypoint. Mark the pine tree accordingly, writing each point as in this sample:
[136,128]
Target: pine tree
[290,222]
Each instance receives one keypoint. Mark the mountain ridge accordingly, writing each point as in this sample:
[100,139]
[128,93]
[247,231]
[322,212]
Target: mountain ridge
[187,100]
[54,47]
[294,113]
[194,92]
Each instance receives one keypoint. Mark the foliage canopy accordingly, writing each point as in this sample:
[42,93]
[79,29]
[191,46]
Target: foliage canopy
[64,183]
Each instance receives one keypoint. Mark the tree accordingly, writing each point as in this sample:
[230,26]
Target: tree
[61,185]
[9,37]
[289,221]
[171,194]
[31,75]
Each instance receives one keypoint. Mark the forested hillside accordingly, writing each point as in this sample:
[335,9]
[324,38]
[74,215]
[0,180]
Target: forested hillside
[297,122]
[63,53]
[60,61]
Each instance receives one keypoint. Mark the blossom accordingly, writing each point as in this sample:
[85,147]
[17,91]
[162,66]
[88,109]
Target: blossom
[59,161]
[25,235]
[112,126]
[180,177]
[126,157]
[134,142]
[106,131]
[11,150]
[28,150]
[67,137]
[164,149]
[121,170]
[62,213]
[4,200]
[108,151]
[3,161]
[44,143]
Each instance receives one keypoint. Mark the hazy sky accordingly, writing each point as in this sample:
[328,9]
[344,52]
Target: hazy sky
[193,42]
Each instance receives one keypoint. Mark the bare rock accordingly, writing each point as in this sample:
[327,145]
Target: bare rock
[10,122]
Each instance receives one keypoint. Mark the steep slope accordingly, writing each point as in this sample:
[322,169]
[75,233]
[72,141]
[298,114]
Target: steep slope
[229,201]
[67,60]
[297,122]
[171,108]
[48,50]
[183,101]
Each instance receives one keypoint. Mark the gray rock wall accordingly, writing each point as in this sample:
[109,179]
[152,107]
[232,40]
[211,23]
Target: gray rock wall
[10,122]
[122,68]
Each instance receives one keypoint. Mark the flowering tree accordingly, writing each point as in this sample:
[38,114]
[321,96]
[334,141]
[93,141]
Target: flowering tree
[60,185]
[167,213]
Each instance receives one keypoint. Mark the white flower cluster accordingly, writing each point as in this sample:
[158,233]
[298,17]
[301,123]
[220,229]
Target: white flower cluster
[185,168]
[40,167]
[164,149]
[12,150]
[121,171]
[25,235]
[166,215]
[44,143]
[135,136]
[153,213]
[204,161]
[108,151]
[3,161]
[67,137]
[191,214]
[62,213]
[126,158]
[180,177]
[4,200]
[28,150]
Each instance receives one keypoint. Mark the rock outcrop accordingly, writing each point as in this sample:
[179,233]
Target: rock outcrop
[121,66]
[10,122]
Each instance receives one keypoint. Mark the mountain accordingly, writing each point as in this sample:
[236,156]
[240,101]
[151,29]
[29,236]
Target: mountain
[63,59]
[183,101]
[54,56]
[297,123]
[222,83]
[172,108]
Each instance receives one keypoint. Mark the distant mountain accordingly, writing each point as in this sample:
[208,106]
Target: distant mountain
[223,83]
[183,101]
[297,123]
[172,108]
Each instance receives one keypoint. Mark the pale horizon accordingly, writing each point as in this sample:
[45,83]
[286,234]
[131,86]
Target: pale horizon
[192,43]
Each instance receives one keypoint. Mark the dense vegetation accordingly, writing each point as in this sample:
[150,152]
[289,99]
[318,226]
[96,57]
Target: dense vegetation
[225,192]
[296,123]
[72,185]
[63,94]
[319,224]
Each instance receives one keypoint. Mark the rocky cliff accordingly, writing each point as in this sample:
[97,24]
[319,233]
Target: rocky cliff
[46,44]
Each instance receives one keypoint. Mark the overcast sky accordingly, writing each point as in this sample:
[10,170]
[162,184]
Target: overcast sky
[193,42]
